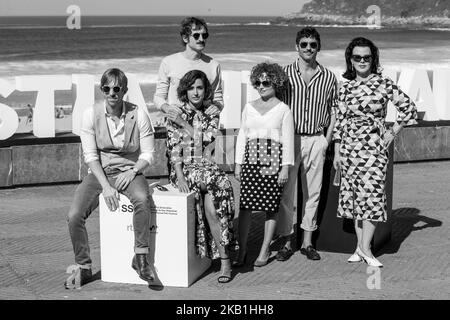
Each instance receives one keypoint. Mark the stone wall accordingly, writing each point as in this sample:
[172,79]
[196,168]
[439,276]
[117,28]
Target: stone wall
[26,160]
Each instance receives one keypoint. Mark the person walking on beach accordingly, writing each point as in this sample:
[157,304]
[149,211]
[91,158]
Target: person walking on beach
[118,144]
[311,95]
[194,32]
[362,142]
[30,114]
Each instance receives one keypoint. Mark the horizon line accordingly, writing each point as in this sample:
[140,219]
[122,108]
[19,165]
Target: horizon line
[142,15]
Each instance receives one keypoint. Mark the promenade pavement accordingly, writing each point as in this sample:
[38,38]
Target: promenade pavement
[35,251]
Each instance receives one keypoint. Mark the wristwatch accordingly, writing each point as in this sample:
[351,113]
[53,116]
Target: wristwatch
[135,170]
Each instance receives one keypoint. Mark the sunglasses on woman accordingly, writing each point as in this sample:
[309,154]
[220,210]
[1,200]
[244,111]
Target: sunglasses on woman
[313,45]
[197,35]
[358,58]
[106,89]
[265,83]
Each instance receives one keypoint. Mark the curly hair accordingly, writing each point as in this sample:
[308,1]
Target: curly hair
[190,23]
[188,80]
[350,73]
[275,75]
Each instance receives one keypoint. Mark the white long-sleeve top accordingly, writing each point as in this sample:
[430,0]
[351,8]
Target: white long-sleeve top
[276,124]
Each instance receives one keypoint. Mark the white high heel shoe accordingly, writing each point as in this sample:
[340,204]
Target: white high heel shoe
[371,261]
[355,257]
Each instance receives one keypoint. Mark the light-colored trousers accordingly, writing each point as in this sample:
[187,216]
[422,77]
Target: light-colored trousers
[309,158]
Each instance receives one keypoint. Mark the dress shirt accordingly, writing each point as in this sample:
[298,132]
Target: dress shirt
[311,103]
[117,133]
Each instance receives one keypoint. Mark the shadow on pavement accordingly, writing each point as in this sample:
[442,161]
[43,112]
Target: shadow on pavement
[406,221]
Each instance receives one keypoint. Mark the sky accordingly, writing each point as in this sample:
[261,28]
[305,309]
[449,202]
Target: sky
[152,7]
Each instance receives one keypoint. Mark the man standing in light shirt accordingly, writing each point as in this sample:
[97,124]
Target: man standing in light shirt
[312,96]
[194,32]
[118,144]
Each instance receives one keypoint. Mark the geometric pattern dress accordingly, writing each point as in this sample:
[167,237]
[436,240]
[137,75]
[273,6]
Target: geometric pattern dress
[360,128]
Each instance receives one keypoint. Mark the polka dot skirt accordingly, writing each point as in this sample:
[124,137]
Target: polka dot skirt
[259,187]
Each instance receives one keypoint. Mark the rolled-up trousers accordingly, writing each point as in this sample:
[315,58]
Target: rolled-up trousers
[309,159]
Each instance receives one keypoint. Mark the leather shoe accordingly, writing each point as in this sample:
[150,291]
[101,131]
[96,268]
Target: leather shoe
[142,267]
[284,254]
[310,253]
[78,278]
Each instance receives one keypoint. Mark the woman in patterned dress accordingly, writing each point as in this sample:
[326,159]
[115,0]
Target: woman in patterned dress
[362,141]
[190,148]
[264,152]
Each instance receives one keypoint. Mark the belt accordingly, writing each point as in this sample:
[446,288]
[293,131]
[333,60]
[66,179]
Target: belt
[310,134]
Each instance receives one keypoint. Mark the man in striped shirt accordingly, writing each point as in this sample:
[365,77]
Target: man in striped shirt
[311,95]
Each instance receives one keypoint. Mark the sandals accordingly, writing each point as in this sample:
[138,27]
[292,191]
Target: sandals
[225,276]
[262,263]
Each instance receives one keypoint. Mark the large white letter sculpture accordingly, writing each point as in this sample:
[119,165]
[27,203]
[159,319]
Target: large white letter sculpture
[9,120]
[85,98]
[134,94]
[230,117]
[44,110]
[416,84]
[429,89]
[441,90]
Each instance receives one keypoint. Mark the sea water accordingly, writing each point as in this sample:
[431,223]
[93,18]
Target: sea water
[44,45]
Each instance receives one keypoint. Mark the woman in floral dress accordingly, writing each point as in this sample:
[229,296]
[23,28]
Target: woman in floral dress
[190,148]
[362,141]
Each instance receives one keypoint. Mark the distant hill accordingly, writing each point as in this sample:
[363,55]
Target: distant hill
[415,13]
[396,8]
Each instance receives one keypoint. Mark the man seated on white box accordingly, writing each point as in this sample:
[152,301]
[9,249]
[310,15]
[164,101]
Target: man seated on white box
[190,148]
[118,144]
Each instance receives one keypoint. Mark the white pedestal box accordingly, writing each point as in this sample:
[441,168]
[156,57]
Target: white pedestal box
[172,240]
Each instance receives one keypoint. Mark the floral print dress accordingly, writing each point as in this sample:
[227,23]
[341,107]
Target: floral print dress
[360,128]
[196,154]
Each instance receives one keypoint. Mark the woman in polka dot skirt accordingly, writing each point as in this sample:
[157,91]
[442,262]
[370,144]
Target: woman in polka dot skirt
[264,152]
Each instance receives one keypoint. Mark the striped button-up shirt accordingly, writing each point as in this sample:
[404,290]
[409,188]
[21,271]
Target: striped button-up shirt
[311,103]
